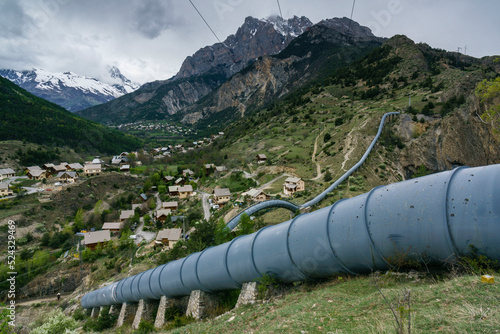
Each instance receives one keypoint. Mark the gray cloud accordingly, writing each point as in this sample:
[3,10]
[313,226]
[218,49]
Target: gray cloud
[152,17]
[149,39]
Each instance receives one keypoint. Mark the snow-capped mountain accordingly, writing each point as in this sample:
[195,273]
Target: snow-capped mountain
[70,90]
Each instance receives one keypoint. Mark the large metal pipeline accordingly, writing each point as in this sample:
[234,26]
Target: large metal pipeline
[436,217]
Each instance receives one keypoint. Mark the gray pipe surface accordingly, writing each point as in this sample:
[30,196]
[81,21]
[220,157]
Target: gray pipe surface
[436,217]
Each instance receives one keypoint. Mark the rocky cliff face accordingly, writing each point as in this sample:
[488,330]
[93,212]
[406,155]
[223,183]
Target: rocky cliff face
[255,38]
[315,52]
[459,139]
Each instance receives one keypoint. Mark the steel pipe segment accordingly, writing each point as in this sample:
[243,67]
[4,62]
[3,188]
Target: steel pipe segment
[432,218]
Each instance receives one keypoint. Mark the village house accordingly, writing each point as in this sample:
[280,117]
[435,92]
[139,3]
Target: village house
[126,214]
[187,173]
[209,167]
[125,168]
[162,214]
[67,177]
[170,205]
[36,173]
[261,158]
[220,169]
[185,191]
[293,185]
[179,181]
[6,173]
[92,169]
[56,169]
[113,226]
[256,195]
[168,237]
[5,189]
[222,196]
[93,239]
[173,191]
[168,178]
[74,167]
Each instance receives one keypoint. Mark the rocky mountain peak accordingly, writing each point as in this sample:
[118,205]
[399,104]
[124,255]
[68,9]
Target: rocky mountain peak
[255,38]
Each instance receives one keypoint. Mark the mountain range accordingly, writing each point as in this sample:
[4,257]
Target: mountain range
[72,91]
[213,71]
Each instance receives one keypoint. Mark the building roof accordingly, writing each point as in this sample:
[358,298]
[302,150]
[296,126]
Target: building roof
[70,174]
[222,192]
[95,237]
[253,192]
[4,185]
[60,168]
[167,205]
[179,180]
[168,178]
[173,189]
[172,234]
[47,166]
[75,165]
[144,196]
[220,168]
[186,188]
[163,212]
[36,172]
[93,166]
[124,167]
[293,180]
[5,171]
[112,226]
[31,168]
[261,156]
[126,214]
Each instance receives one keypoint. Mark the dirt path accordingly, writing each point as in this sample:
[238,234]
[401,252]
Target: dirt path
[351,143]
[44,299]
[313,158]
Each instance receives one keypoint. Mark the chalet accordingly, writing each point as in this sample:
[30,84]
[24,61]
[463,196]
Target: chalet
[5,189]
[170,205]
[168,237]
[56,169]
[168,178]
[48,167]
[113,226]
[209,167]
[187,173]
[220,169]
[292,185]
[173,190]
[185,191]
[179,181]
[222,196]
[74,166]
[143,197]
[92,169]
[93,239]
[67,177]
[97,161]
[261,158]
[257,195]
[119,159]
[125,168]
[32,168]
[162,214]
[6,173]
[36,173]
[135,206]
[126,214]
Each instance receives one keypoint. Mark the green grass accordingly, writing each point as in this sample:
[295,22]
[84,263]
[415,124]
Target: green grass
[456,304]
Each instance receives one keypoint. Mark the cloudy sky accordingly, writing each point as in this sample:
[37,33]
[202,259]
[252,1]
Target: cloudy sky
[148,39]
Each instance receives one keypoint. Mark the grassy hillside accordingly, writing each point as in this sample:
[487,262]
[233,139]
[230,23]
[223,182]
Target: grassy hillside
[26,117]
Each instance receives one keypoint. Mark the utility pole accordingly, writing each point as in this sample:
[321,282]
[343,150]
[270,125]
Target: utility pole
[465,50]
[459,49]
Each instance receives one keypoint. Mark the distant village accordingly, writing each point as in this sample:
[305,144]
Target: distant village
[178,188]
